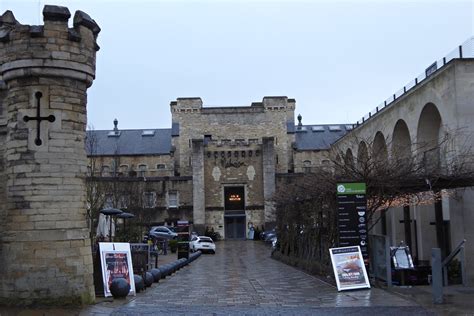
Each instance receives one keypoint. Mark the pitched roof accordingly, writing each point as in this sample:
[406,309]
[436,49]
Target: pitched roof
[319,137]
[129,142]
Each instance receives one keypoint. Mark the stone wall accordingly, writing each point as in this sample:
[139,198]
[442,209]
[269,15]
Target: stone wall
[264,119]
[133,162]
[230,165]
[45,249]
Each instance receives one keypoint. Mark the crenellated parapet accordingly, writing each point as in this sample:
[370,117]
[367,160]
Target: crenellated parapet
[52,49]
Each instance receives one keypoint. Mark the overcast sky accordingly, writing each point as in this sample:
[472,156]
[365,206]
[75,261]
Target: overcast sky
[338,59]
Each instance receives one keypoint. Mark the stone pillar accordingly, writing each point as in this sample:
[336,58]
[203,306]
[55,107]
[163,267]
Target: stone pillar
[44,244]
[268,160]
[197,161]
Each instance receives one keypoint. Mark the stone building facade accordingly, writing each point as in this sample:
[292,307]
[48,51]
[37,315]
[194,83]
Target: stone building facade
[216,166]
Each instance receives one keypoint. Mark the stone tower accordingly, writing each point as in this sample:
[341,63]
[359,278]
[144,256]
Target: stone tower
[45,253]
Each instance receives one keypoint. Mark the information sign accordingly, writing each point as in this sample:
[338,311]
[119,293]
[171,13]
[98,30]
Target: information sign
[116,262]
[349,268]
[352,217]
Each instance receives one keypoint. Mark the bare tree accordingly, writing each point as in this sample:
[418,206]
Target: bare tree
[413,173]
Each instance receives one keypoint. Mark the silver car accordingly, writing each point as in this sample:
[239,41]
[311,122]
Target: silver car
[162,232]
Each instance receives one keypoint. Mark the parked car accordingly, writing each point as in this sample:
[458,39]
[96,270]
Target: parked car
[162,232]
[268,235]
[203,243]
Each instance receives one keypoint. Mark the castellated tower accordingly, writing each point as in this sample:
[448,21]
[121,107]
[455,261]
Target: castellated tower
[45,251]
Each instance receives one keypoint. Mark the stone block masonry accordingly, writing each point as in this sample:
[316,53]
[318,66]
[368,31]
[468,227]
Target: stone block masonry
[45,252]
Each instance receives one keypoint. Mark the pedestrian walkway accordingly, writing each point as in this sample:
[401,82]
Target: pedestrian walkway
[242,279]
[458,300]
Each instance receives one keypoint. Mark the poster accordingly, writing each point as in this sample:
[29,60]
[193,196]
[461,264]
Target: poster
[116,262]
[349,268]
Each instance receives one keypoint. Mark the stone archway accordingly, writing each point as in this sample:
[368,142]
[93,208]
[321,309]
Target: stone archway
[362,155]
[379,149]
[401,144]
[349,158]
[428,137]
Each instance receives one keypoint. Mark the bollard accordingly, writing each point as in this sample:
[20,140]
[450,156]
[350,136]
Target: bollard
[436,276]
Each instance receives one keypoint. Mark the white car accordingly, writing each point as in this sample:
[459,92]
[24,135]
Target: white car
[203,243]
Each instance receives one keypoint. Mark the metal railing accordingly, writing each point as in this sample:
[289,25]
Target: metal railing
[459,250]
[439,270]
[466,50]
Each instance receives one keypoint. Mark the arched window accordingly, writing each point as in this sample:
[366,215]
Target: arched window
[141,170]
[124,170]
[307,166]
[105,172]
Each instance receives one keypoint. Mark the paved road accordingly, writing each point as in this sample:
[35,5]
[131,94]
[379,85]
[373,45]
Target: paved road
[242,279]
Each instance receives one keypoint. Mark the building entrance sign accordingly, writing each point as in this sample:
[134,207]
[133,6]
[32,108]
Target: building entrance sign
[349,268]
[352,218]
[116,262]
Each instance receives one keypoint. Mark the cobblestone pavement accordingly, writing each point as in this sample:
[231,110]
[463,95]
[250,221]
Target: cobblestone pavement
[242,279]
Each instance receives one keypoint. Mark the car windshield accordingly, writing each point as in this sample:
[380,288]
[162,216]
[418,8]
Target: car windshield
[173,229]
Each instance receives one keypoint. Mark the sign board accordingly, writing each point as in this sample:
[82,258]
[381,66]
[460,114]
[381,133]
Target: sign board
[116,262]
[401,258]
[352,217]
[183,239]
[349,268]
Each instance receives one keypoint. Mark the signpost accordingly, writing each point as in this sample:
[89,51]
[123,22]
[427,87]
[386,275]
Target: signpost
[352,217]
[349,268]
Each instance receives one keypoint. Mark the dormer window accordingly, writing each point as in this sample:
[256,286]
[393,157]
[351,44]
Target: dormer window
[148,133]
[317,128]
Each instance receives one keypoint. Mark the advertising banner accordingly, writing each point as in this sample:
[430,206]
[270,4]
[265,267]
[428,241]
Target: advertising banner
[352,217]
[349,268]
[116,262]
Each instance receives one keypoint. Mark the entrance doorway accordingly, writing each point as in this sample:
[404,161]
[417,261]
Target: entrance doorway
[234,212]
[234,226]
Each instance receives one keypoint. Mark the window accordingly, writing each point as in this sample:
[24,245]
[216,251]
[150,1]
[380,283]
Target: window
[141,170]
[149,199]
[307,166]
[160,166]
[124,169]
[109,201]
[326,164]
[172,199]
[105,172]
[123,201]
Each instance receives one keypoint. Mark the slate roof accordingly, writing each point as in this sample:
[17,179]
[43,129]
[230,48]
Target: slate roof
[131,142]
[158,141]
[319,137]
